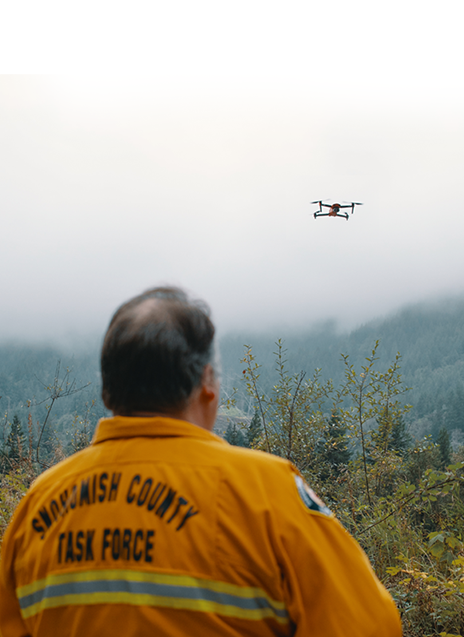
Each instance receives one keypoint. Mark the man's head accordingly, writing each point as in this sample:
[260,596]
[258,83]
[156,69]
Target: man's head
[155,353]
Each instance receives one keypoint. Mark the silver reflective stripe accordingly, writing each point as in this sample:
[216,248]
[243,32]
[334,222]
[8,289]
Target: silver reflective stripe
[135,588]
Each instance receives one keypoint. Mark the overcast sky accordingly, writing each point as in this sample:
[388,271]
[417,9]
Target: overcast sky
[183,143]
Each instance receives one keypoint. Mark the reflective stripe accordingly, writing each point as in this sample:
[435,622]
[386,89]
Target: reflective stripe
[147,589]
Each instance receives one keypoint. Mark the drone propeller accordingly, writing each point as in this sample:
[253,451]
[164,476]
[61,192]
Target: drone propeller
[319,201]
[355,203]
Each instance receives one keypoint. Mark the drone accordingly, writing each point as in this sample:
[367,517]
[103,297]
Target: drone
[334,209]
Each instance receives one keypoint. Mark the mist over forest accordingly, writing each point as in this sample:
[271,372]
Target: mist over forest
[429,337]
[334,404]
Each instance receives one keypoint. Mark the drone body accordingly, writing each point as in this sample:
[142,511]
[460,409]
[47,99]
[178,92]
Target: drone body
[334,209]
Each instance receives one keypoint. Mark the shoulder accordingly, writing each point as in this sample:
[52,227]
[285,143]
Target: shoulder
[251,459]
[61,470]
[249,466]
[271,475]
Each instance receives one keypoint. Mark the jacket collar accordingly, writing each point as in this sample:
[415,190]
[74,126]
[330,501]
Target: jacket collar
[134,427]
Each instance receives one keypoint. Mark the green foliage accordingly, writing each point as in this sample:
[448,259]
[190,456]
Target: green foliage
[13,486]
[81,429]
[243,435]
[63,386]
[332,451]
[430,339]
[403,499]
[16,441]
[234,436]
[444,447]
[254,430]
[291,414]
[390,434]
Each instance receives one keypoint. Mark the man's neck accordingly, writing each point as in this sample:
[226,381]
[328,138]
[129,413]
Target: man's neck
[187,415]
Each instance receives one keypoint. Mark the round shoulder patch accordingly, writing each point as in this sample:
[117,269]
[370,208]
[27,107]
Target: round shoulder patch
[310,499]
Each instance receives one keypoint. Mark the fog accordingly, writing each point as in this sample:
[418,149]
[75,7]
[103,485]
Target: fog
[200,171]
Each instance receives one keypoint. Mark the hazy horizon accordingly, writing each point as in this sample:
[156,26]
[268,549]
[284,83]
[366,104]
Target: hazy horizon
[191,156]
[83,340]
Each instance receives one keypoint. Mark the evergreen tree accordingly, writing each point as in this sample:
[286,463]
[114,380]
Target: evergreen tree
[16,441]
[455,409]
[400,440]
[391,434]
[338,453]
[234,436]
[334,453]
[254,430]
[444,446]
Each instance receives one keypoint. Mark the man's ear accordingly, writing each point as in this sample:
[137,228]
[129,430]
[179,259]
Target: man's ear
[209,383]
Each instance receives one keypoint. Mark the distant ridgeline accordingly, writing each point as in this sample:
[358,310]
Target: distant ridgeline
[430,339]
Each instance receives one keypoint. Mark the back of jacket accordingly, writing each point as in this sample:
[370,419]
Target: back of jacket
[162,528]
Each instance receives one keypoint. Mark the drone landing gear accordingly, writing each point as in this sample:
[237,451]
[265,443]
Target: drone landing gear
[327,214]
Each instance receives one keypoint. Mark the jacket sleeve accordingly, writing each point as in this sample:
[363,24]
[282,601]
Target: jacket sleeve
[329,584]
[11,621]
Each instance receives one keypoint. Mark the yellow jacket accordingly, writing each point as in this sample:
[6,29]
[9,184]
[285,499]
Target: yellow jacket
[162,528]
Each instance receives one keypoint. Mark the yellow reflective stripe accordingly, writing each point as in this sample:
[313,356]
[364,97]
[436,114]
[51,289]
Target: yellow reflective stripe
[149,600]
[188,593]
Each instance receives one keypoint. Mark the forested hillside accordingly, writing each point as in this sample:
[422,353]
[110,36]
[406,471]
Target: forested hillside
[53,386]
[430,339]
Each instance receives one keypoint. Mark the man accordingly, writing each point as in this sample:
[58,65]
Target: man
[162,528]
